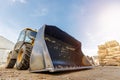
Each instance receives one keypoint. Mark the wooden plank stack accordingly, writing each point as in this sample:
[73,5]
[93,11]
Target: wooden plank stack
[109,53]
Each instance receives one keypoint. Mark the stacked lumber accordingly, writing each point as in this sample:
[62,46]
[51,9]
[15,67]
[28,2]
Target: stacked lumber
[109,53]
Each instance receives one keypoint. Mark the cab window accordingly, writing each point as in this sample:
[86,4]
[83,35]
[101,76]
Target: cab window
[21,36]
[30,36]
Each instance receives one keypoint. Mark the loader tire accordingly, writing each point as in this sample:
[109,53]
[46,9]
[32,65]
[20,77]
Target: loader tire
[10,62]
[23,57]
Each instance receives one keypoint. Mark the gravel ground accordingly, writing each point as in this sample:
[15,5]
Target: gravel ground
[97,73]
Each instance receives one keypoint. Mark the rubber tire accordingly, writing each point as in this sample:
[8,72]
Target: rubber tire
[10,62]
[24,63]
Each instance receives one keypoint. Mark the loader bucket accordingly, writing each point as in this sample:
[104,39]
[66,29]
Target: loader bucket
[55,50]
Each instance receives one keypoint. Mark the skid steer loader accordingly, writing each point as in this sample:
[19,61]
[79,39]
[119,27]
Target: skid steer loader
[53,50]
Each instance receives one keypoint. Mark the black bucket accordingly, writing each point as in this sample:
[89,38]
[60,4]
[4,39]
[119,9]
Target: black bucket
[55,50]
[64,50]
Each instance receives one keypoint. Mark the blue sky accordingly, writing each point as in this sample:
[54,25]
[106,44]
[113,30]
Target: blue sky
[92,22]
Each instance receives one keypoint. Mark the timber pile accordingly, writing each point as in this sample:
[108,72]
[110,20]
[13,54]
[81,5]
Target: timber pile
[109,53]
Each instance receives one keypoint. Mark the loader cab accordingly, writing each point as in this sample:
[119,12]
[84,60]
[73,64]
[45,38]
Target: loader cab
[26,36]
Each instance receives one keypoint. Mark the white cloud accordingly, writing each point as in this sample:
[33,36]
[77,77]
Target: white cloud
[40,12]
[21,1]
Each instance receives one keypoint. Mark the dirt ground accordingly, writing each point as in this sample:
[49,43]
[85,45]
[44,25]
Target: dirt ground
[97,73]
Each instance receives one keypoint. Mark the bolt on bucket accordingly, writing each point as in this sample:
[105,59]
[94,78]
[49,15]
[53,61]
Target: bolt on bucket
[55,50]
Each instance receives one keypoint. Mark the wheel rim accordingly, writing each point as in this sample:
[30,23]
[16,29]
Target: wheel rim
[20,55]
